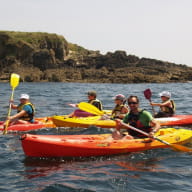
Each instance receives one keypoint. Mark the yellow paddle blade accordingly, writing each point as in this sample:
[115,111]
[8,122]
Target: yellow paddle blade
[90,108]
[176,147]
[181,148]
[14,80]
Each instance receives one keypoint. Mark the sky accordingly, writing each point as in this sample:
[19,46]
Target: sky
[157,29]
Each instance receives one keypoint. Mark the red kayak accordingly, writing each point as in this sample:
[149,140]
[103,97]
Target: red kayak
[97,145]
[180,120]
[39,123]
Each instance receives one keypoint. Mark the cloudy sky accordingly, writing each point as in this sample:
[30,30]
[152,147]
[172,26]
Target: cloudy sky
[158,29]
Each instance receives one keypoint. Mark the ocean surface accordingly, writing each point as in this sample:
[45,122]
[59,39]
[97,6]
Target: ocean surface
[153,170]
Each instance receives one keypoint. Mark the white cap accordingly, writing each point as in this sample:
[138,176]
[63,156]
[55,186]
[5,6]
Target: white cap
[24,96]
[165,94]
[119,97]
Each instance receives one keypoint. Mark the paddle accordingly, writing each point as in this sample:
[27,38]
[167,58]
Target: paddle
[90,108]
[174,146]
[148,94]
[14,81]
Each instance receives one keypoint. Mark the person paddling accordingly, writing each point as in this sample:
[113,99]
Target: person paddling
[120,109]
[92,99]
[138,118]
[25,111]
[167,107]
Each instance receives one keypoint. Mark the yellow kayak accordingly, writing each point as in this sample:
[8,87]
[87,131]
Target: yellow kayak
[64,121]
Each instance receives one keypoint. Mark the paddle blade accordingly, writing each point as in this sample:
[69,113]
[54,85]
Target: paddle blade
[14,80]
[176,147]
[147,94]
[90,108]
[181,148]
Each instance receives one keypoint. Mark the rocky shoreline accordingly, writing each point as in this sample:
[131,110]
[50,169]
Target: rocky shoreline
[47,57]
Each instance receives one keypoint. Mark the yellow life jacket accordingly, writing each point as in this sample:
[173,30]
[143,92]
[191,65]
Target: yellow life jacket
[117,110]
[26,117]
[96,103]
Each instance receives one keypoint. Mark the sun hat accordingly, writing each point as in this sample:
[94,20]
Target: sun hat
[24,96]
[165,94]
[92,93]
[119,97]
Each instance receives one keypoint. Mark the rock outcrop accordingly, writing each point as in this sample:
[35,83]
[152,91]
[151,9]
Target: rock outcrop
[49,57]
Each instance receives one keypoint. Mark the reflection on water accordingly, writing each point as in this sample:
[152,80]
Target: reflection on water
[117,171]
[113,165]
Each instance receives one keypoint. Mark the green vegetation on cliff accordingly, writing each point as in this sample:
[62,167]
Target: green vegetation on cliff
[27,52]
[40,56]
[33,38]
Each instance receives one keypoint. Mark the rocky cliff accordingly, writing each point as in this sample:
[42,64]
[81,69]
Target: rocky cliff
[49,57]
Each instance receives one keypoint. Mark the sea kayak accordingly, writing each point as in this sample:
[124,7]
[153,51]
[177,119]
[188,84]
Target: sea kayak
[39,123]
[64,121]
[96,145]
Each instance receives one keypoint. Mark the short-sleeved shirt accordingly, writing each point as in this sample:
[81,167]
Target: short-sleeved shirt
[140,121]
[29,111]
[144,117]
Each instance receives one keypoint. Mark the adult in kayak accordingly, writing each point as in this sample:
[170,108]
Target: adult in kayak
[138,118]
[25,111]
[167,107]
[92,99]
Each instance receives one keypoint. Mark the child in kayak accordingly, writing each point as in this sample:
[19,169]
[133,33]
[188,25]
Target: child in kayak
[25,111]
[119,110]
[167,107]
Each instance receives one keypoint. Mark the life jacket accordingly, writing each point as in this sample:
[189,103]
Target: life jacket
[167,109]
[96,103]
[26,117]
[117,110]
[133,120]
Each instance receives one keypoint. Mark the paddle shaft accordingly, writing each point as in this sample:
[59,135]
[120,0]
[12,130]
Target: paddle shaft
[152,107]
[135,129]
[9,113]
[11,99]
[144,133]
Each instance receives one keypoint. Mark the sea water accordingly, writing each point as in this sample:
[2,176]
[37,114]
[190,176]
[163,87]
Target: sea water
[152,170]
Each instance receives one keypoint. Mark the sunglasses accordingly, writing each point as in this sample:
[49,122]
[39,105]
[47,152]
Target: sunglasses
[132,103]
